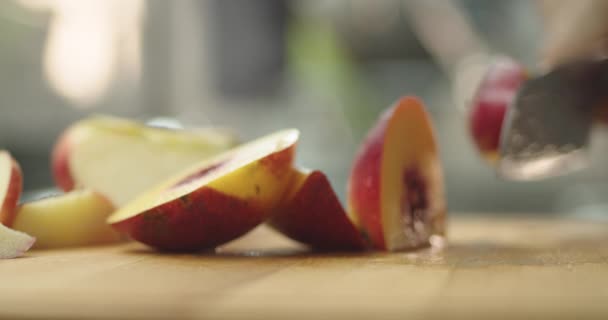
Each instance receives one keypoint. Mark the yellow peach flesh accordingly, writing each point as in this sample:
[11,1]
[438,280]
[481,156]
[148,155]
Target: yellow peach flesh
[420,154]
[73,219]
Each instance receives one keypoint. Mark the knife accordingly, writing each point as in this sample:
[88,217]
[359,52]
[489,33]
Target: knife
[547,127]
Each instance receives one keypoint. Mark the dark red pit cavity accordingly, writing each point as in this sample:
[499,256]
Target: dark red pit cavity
[199,174]
[414,201]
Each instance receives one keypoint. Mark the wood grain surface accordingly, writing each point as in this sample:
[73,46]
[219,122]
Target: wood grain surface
[493,268]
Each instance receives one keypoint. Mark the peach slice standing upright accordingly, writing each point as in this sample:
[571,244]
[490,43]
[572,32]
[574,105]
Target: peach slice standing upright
[11,185]
[312,214]
[214,201]
[395,190]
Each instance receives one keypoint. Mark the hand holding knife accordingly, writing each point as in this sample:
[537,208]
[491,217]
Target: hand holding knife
[545,130]
[547,127]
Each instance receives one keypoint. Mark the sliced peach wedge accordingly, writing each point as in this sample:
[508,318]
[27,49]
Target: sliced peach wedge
[395,191]
[312,214]
[121,158]
[76,218]
[11,185]
[214,201]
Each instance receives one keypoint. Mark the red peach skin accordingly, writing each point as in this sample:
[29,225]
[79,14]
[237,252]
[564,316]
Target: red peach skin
[312,214]
[14,187]
[489,106]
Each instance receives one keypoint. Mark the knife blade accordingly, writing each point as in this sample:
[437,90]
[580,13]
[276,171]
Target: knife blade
[547,127]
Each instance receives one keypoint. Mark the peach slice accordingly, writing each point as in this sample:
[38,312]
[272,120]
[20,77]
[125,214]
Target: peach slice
[214,201]
[13,243]
[76,218]
[121,158]
[497,90]
[395,191]
[11,185]
[312,214]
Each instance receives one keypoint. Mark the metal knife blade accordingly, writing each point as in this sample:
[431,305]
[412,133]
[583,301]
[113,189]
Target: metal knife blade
[547,127]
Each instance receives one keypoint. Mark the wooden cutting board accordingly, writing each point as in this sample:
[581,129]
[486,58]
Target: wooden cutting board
[493,268]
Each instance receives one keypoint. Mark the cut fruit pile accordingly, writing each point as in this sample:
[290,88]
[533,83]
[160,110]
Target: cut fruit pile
[395,194]
[72,219]
[100,162]
[188,190]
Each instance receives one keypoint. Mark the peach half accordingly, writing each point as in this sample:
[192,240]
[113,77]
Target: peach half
[11,185]
[312,214]
[214,201]
[395,190]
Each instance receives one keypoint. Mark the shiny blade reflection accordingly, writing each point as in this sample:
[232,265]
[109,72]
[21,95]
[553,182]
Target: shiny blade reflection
[547,129]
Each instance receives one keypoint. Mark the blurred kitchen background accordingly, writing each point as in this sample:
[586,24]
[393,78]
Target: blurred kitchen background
[327,67]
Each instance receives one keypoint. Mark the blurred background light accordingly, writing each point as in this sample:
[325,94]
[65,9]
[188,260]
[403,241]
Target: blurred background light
[87,43]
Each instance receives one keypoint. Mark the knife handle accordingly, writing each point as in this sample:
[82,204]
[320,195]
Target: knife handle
[590,80]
